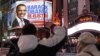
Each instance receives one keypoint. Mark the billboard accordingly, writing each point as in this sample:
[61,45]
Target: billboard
[37,12]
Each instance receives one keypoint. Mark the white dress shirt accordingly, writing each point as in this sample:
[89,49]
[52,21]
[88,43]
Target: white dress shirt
[20,21]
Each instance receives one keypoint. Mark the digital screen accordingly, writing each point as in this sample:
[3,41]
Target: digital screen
[37,12]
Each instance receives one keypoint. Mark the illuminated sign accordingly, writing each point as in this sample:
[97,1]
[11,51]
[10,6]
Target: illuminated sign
[87,18]
[84,26]
[37,11]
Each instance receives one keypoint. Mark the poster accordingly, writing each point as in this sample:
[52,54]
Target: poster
[35,12]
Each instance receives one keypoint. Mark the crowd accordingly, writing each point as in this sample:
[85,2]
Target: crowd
[39,42]
[47,41]
[31,41]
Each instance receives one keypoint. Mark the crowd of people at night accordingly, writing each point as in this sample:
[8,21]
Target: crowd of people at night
[48,40]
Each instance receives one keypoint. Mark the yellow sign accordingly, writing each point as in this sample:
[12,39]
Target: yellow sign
[85,19]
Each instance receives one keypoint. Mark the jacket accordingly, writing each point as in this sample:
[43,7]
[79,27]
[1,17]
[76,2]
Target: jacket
[15,22]
[90,48]
[48,47]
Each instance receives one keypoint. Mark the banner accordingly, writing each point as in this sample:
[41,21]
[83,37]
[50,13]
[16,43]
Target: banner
[37,11]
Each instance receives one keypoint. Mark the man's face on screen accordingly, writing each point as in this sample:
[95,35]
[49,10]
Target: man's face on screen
[21,12]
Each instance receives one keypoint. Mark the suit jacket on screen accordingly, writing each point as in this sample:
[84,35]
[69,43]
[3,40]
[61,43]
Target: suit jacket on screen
[15,22]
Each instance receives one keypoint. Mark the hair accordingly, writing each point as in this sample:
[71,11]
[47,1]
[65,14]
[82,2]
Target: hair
[43,32]
[19,6]
[47,32]
[29,29]
[46,28]
[52,27]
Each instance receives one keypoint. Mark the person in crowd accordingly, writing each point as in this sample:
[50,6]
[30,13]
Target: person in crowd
[45,46]
[28,41]
[51,29]
[85,12]
[20,20]
[98,42]
[14,50]
[54,43]
[43,33]
[86,45]
[51,26]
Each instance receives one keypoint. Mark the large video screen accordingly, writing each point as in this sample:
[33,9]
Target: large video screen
[37,12]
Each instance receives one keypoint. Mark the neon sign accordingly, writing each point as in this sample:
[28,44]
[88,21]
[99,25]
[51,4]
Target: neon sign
[84,26]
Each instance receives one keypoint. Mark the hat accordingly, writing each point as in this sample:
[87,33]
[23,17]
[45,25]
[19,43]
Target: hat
[59,30]
[87,38]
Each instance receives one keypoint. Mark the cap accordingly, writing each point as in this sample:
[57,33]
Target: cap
[87,37]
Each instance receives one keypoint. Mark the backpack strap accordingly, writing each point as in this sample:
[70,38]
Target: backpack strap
[89,53]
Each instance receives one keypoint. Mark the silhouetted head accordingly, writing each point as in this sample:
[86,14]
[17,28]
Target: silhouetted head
[85,11]
[85,39]
[29,29]
[52,27]
[43,33]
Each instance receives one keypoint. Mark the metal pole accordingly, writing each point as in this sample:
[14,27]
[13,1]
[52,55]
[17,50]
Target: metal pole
[44,11]
[65,12]
[0,30]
